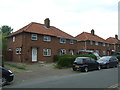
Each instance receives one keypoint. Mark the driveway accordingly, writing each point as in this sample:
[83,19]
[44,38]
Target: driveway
[37,70]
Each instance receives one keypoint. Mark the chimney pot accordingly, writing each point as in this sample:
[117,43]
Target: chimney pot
[92,32]
[116,36]
[47,22]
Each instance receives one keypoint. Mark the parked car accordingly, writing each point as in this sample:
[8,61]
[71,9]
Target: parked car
[85,64]
[108,61]
[7,76]
[89,52]
[117,55]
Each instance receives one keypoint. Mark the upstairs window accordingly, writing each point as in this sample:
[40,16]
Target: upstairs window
[96,43]
[34,36]
[13,38]
[91,42]
[71,41]
[18,50]
[103,44]
[62,40]
[62,51]
[47,52]
[47,38]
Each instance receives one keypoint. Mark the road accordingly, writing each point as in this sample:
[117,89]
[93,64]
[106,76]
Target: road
[105,78]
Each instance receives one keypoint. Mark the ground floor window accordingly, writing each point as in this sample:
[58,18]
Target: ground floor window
[104,52]
[47,52]
[18,50]
[97,51]
[62,51]
[71,52]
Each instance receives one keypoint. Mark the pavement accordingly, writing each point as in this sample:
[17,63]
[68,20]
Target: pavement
[37,70]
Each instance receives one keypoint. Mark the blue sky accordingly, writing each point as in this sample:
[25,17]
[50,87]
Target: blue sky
[71,16]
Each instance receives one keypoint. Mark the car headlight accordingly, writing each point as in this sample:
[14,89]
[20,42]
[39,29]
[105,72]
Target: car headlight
[10,71]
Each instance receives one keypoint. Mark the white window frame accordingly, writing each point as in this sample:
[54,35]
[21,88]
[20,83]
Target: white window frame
[62,52]
[47,51]
[91,42]
[62,40]
[104,52]
[71,52]
[103,44]
[18,50]
[47,38]
[96,43]
[97,51]
[13,38]
[71,41]
[34,36]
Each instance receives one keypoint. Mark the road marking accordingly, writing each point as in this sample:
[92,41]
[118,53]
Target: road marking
[113,86]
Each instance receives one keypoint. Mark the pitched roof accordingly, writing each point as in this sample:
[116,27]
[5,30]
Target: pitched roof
[41,29]
[112,40]
[88,36]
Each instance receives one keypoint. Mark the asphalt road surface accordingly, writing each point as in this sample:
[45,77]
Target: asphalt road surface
[105,78]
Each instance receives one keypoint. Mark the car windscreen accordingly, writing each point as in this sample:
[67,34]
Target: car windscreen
[80,60]
[104,59]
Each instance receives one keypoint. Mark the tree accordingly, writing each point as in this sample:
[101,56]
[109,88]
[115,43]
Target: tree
[6,29]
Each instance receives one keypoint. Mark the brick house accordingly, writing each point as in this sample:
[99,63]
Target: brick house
[40,42]
[90,41]
[114,43]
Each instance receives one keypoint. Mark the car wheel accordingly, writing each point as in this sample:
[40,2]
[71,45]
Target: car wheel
[86,69]
[74,69]
[99,67]
[4,81]
[116,65]
[107,66]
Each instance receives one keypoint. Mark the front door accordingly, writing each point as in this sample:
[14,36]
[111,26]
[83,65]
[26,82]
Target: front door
[34,54]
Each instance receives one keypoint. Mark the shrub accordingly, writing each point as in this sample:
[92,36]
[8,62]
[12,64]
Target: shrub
[56,58]
[67,60]
[118,57]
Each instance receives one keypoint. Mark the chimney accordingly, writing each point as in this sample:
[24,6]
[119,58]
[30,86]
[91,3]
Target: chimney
[47,22]
[116,36]
[92,32]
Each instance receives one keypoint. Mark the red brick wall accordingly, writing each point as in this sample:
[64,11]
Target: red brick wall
[89,46]
[13,45]
[54,45]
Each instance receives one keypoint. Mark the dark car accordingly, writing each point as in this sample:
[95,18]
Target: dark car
[85,64]
[7,76]
[117,55]
[89,52]
[108,61]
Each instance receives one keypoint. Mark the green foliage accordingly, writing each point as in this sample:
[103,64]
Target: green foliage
[118,57]
[56,58]
[14,66]
[67,60]
[6,29]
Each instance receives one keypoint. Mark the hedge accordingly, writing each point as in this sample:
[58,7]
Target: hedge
[67,60]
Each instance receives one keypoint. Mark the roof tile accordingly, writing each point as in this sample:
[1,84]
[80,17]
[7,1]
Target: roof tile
[88,36]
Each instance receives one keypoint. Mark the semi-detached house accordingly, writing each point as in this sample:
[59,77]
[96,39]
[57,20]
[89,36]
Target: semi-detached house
[40,42]
[114,43]
[90,41]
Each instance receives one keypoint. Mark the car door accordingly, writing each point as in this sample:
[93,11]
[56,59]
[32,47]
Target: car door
[94,63]
[111,62]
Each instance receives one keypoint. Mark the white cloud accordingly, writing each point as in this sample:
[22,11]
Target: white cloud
[71,16]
